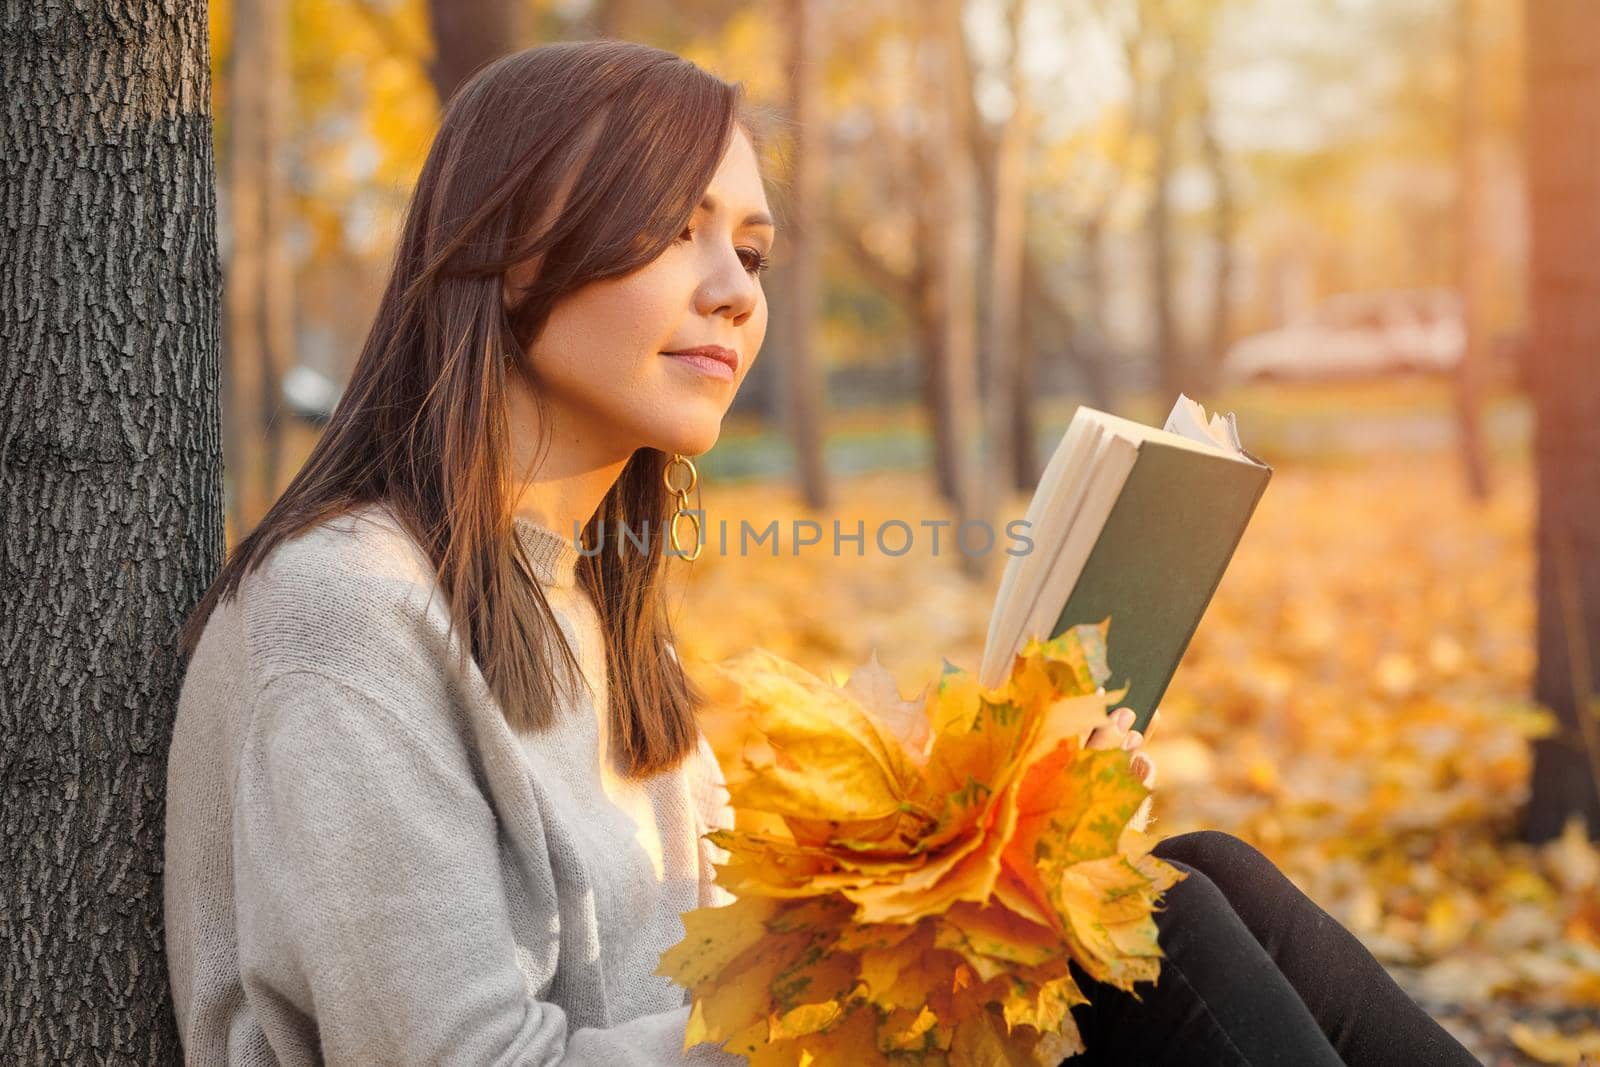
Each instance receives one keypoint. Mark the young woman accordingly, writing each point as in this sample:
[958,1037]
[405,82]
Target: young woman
[436,791]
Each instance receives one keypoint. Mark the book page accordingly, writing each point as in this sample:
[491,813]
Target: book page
[1052,506]
[1188,419]
[1035,612]
[1027,573]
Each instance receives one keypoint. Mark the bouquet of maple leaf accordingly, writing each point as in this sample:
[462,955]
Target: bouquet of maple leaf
[912,879]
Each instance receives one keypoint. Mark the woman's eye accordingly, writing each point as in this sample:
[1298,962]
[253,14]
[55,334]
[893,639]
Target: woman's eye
[756,263]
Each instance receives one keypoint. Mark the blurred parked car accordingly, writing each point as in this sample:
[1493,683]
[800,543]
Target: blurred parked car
[1357,334]
[309,394]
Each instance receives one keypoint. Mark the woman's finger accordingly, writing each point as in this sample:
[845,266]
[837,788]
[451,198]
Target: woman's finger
[1144,769]
[1107,736]
[1111,733]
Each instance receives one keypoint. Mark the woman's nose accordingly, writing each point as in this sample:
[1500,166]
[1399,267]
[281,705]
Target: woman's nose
[730,291]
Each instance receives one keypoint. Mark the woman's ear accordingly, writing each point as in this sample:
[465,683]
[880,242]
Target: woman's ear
[510,289]
[515,281]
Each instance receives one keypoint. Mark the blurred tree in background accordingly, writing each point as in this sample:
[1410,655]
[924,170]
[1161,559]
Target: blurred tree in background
[1564,178]
[261,285]
[467,35]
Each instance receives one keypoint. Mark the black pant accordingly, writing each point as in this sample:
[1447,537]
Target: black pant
[1254,974]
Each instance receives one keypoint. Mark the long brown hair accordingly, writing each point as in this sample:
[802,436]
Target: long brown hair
[585,160]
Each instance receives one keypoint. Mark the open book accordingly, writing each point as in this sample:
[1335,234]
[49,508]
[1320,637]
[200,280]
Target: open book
[1133,523]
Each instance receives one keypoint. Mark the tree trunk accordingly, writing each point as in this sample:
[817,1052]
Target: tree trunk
[1222,235]
[804,390]
[1004,197]
[927,318]
[245,358]
[927,305]
[1025,469]
[1169,346]
[1473,254]
[1563,124]
[916,293]
[277,297]
[260,275]
[956,246]
[1094,359]
[467,35]
[1009,206]
[612,18]
[111,482]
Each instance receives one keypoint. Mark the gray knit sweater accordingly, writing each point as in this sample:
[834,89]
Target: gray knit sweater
[365,864]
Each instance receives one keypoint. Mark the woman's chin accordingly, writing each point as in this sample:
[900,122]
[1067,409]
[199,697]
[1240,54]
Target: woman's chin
[685,441]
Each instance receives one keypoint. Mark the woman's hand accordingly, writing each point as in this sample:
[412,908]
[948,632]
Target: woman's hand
[1118,733]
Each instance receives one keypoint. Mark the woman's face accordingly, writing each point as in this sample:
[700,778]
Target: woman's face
[601,358]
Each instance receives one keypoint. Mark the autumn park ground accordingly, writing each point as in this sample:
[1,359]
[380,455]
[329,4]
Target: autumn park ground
[1355,703]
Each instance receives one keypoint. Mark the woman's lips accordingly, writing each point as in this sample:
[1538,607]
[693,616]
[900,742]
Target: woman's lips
[711,360]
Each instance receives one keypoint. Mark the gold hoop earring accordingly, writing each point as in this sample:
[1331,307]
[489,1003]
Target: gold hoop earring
[684,511]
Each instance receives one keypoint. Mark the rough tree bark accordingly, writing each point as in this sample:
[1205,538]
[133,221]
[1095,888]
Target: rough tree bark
[111,488]
[1563,141]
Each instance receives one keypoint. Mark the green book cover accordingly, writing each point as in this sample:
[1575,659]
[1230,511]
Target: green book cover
[1158,560]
